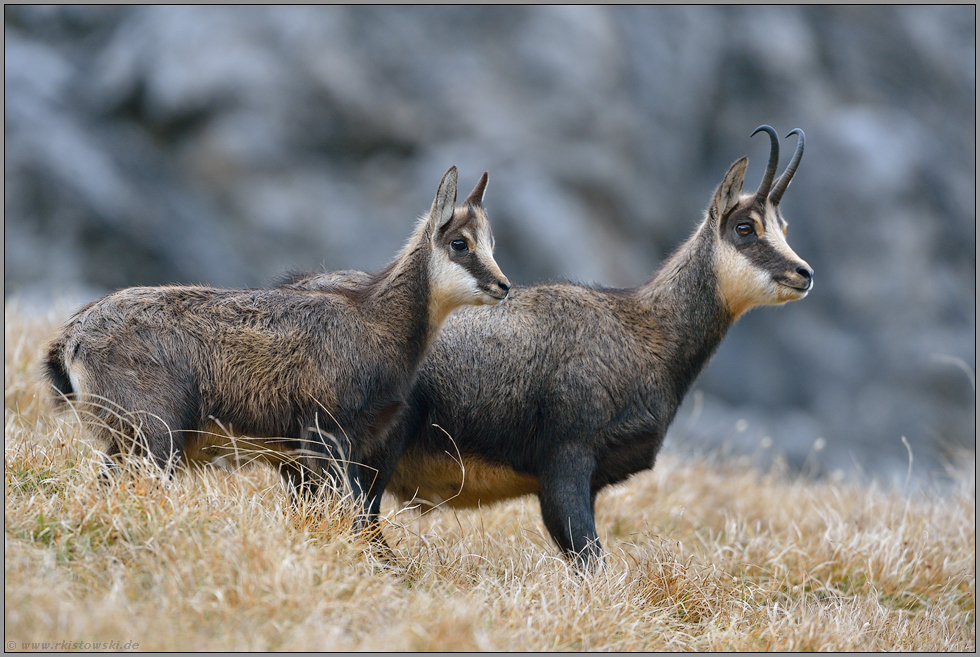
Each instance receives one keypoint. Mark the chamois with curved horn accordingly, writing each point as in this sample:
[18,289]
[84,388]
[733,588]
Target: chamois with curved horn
[568,388]
[304,378]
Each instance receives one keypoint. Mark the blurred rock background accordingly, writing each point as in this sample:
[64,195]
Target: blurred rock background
[221,145]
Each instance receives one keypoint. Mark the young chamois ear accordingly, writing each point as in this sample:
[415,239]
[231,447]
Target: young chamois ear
[444,203]
[476,196]
[754,263]
[463,270]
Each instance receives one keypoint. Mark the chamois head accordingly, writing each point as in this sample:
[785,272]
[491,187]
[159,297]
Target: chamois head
[462,268]
[755,265]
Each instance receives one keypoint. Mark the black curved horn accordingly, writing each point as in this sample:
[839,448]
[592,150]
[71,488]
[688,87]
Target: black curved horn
[784,180]
[766,183]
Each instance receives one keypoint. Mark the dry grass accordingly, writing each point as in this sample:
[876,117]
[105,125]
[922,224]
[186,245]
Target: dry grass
[700,557]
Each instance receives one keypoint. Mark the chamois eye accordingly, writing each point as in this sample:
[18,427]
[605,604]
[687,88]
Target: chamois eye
[744,229]
[458,245]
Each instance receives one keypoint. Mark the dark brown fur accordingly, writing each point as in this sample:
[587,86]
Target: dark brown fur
[311,376]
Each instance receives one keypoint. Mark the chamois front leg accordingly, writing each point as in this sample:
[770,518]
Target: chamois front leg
[324,459]
[568,504]
[383,463]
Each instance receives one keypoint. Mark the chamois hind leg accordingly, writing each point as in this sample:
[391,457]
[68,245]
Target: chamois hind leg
[161,434]
[110,460]
[156,432]
[568,505]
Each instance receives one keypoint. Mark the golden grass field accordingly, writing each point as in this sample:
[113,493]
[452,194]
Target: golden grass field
[700,556]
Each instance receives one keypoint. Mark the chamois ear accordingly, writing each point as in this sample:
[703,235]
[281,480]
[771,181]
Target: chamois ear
[476,196]
[444,203]
[727,194]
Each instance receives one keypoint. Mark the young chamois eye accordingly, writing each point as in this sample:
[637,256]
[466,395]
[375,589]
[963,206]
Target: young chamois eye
[744,228]
[458,245]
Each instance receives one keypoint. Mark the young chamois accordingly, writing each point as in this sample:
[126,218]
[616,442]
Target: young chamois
[305,379]
[566,388]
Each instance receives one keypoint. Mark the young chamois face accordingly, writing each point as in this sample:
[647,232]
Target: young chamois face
[754,263]
[462,269]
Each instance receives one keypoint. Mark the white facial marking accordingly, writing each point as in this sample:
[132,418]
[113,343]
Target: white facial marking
[742,284]
[452,284]
[776,236]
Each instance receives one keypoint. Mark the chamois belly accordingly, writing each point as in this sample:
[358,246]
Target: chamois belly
[435,479]
[216,446]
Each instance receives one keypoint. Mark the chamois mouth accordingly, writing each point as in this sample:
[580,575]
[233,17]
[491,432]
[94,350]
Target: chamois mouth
[800,281]
[801,289]
[496,296]
[496,292]
[796,290]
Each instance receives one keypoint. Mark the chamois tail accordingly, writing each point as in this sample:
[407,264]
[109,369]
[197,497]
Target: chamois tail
[56,373]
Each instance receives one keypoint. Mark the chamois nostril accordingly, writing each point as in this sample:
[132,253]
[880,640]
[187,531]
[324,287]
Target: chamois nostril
[807,274]
[504,286]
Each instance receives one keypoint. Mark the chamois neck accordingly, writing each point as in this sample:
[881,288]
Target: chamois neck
[400,296]
[686,309]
